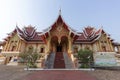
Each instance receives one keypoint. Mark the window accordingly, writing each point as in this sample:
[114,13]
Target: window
[42,50]
[104,48]
[87,48]
[30,49]
[105,41]
[15,41]
[75,50]
[13,48]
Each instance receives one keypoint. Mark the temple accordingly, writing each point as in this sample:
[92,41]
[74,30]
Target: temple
[57,42]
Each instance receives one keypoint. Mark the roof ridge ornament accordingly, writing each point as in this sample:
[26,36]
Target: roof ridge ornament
[60,11]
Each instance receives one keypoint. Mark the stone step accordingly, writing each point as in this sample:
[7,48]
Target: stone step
[50,61]
[68,61]
[59,60]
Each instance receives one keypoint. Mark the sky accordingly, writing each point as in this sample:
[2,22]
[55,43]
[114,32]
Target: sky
[76,13]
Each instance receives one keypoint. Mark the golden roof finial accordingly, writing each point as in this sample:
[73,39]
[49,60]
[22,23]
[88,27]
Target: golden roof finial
[16,24]
[60,11]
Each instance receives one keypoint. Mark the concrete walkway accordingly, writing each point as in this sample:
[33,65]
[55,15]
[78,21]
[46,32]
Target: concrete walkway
[17,73]
[59,75]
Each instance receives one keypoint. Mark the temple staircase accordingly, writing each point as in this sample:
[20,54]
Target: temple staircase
[49,61]
[59,60]
[68,62]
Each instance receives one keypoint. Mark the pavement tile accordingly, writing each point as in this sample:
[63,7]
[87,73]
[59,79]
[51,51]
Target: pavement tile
[60,75]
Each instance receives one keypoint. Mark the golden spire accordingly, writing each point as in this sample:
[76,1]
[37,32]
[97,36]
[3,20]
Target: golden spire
[16,24]
[60,11]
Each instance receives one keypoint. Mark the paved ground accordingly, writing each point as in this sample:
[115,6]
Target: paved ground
[60,75]
[12,73]
[106,74]
[17,73]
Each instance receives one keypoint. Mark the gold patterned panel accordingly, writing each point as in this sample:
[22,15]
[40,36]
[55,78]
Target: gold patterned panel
[59,31]
[13,41]
[105,44]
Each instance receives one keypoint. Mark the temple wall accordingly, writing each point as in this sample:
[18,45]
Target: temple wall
[42,46]
[105,45]
[77,47]
[23,46]
[36,46]
[13,41]
[95,47]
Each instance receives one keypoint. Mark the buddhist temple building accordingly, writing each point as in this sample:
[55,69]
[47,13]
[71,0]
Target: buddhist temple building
[57,42]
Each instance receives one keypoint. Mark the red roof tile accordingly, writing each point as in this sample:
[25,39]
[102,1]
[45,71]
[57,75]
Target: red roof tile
[29,34]
[89,34]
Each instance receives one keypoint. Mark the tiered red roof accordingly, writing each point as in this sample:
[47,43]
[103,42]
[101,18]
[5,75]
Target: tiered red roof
[89,35]
[28,34]
[60,21]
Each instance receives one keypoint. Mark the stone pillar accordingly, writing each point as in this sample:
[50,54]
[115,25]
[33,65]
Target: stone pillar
[70,45]
[64,47]
[8,46]
[37,48]
[98,46]
[48,45]
[54,47]
[19,48]
[101,49]
[5,47]
[108,45]
[111,45]
[118,48]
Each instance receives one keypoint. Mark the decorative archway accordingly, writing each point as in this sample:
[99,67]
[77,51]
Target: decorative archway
[64,43]
[57,46]
[53,42]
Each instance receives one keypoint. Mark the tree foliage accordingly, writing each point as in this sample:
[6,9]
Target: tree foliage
[30,57]
[85,57]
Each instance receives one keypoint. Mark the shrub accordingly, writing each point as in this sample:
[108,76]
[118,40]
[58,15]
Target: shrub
[30,58]
[85,57]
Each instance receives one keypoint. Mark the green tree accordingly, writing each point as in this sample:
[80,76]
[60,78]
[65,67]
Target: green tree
[30,58]
[85,57]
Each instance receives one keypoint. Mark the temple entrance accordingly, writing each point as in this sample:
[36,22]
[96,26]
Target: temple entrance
[64,43]
[59,48]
